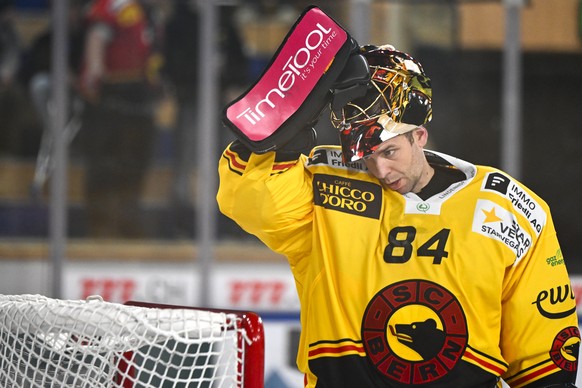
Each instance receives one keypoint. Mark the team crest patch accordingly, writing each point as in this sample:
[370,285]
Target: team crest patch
[414,332]
[565,348]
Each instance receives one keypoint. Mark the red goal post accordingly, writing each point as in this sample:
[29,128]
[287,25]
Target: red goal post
[250,340]
[92,343]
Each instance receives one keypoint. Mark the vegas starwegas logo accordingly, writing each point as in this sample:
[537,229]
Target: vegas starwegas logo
[493,221]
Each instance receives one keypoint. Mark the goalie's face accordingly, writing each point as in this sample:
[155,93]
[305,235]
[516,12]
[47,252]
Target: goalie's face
[398,99]
[400,164]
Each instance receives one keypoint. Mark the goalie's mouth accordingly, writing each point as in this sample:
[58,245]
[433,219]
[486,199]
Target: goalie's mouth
[400,336]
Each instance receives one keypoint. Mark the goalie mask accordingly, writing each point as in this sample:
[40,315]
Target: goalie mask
[398,99]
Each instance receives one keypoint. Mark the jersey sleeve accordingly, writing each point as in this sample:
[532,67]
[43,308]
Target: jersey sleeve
[540,337]
[268,196]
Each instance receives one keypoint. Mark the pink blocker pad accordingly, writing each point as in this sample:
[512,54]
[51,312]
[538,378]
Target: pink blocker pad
[300,63]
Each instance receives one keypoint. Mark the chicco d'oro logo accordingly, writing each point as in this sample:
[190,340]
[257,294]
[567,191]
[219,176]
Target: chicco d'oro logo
[565,347]
[419,351]
[347,195]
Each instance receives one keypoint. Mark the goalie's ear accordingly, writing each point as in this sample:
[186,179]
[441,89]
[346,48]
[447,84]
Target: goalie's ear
[296,85]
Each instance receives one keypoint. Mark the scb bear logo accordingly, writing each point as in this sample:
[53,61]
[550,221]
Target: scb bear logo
[565,349]
[424,337]
[414,331]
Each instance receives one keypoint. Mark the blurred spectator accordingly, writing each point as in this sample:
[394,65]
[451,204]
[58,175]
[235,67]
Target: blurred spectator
[38,57]
[119,84]
[181,70]
[36,76]
[9,44]
[10,92]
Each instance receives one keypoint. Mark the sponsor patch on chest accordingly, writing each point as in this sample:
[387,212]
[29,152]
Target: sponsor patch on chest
[347,195]
[493,221]
[522,202]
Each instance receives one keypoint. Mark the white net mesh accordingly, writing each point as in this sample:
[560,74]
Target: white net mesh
[62,343]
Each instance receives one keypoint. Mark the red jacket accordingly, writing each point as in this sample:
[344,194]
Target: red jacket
[130,45]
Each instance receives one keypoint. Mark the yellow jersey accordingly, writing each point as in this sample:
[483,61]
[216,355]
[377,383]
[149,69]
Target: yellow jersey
[458,290]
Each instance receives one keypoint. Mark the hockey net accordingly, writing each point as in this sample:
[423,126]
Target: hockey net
[91,343]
